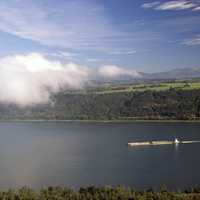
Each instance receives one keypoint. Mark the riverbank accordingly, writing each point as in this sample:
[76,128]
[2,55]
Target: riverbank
[167,105]
[102,121]
[101,193]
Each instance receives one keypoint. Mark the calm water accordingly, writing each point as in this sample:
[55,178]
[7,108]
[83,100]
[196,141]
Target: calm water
[79,154]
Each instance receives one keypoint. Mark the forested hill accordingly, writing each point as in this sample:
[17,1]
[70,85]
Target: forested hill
[163,101]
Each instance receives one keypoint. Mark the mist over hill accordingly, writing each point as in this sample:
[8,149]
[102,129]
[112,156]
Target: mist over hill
[31,79]
[160,101]
[59,91]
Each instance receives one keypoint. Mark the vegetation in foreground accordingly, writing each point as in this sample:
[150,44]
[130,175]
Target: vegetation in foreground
[93,193]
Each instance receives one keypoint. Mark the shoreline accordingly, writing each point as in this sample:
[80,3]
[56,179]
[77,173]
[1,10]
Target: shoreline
[102,121]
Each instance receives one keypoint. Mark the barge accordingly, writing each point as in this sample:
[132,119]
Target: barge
[156,143]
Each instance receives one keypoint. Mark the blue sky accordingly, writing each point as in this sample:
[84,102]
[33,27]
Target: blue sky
[141,35]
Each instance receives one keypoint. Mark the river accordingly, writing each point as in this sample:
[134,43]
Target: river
[78,154]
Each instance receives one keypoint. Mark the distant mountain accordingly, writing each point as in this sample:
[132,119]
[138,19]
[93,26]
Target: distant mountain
[184,73]
[175,74]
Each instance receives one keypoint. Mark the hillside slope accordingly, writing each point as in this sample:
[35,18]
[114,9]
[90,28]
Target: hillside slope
[168,104]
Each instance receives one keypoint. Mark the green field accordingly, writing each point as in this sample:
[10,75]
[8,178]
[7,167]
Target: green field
[145,87]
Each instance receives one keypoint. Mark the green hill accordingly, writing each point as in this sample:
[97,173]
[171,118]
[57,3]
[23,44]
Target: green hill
[163,101]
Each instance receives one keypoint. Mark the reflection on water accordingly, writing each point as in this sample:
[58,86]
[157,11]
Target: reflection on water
[78,154]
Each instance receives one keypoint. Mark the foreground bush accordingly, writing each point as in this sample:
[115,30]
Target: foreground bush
[102,193]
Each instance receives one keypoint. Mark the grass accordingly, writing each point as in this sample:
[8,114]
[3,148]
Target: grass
[148,87]
[98,193]
[121,88]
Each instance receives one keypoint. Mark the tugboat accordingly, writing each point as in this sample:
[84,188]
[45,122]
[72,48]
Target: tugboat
[176,141]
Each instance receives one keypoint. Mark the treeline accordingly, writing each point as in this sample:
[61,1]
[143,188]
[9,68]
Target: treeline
[94,193]
[172,104]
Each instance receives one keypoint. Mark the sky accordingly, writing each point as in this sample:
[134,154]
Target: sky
[147,36]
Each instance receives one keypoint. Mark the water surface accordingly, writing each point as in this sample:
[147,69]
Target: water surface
[79,154]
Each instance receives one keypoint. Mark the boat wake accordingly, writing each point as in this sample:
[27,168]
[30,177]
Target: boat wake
[188,142]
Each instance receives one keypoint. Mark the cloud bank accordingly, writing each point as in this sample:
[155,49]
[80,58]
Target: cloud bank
[30,79]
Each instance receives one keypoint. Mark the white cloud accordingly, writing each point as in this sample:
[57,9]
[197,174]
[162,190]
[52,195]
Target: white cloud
[192,41]
[176,5]
[129,52]
[29,79]
[196,9]
[172,5]
[113,71]
[62,54]
[70,24]
[150,5]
